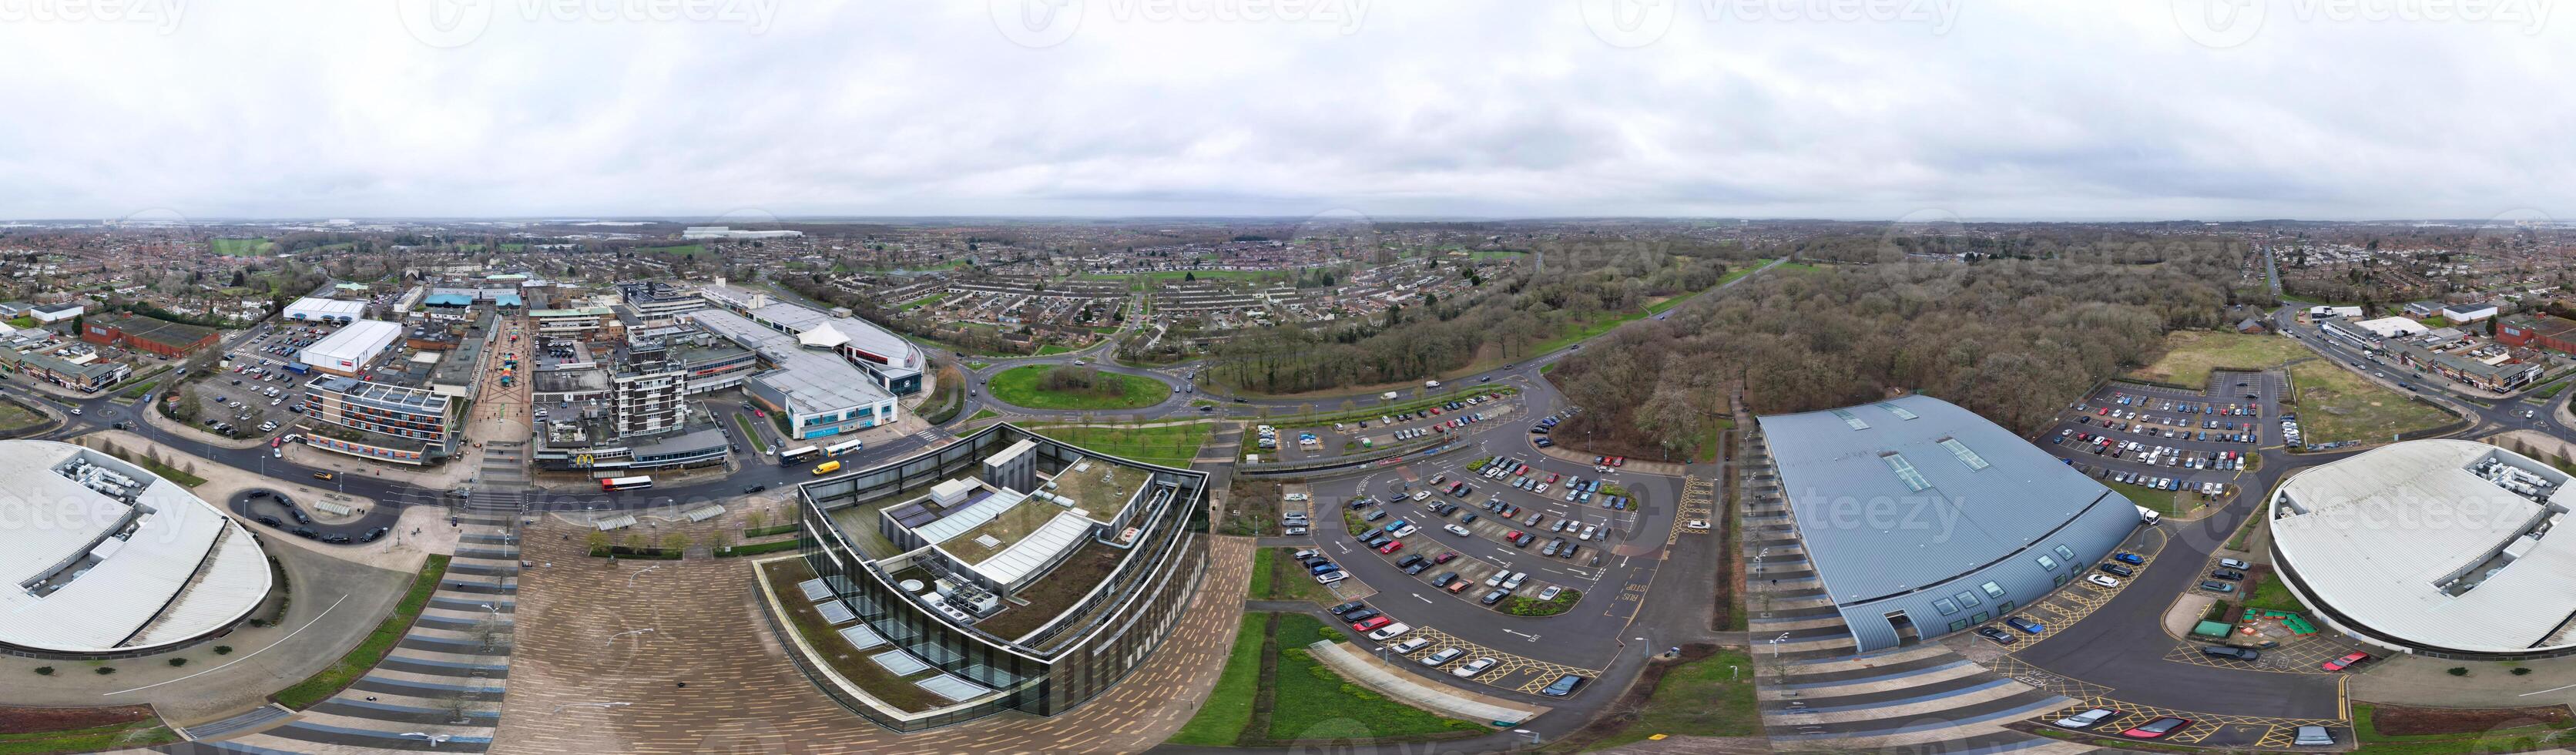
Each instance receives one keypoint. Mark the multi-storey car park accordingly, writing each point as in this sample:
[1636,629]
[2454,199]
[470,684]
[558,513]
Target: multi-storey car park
[1031,574]
[1920,518]
[2446,548]
[104,559]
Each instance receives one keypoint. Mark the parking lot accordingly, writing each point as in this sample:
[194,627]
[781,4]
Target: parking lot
[257,388]
[1382,430]
[2162,439]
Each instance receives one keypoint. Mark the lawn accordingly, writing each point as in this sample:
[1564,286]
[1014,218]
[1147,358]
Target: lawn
[1263,562]
[1288,580]
[2337,404]
[1019,386]
[363,658]
[2163,501]
[1229,705]
[2189,355]
[1310,701]
[757,440]
[100,739]
[985,414]
[923,301]
[1709,697]
[1052,350]
[2551,390]
[240,247]
[2270,595]
[13,416]
[1168,445]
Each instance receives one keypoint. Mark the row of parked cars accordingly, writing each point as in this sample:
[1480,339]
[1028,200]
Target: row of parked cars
[2215,431]
[1363,618]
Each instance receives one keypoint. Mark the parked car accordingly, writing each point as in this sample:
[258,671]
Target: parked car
[2217,586]
[2157,729]
[1474,667]
[2348,660]
[1997,636]
[1563,686]
[1372,622]
[2025,624]
[2231,653]
[2088,719]
[2101,580]
[1444,656]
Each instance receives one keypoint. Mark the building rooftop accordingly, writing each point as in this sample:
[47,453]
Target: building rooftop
[124,559]
[1911,491]
[2412,540]
[818,381]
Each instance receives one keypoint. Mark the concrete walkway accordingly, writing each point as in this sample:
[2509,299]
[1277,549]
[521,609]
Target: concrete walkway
[1455,703]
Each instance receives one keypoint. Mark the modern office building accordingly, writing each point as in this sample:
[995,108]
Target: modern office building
[656,300]
[2446,548]
[106,560]
[1919,518]
[382,420]
[1029,574]
[613,408]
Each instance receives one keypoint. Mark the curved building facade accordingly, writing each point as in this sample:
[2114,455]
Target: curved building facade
[2438,547]
[1920,518]
[105,559]
[1035,574]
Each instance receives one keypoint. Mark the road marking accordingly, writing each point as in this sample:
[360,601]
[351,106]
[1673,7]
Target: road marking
[2546,691]
[1418,596]
[1532,637]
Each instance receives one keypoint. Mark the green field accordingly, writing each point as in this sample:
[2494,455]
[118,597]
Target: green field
[1709,697]
[922,302]
[2270,595]
[1170,446]
[1052,350]
[240,247]
[2336,404]
[1019,386]
[1490,254]
[2190,355]
[13,416]
[361,659]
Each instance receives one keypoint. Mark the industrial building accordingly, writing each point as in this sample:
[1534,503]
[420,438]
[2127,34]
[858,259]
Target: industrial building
[347,351]
[54,313]
[73,366]
[822,393]
[2440,547]
[316,309]
[147,334]
[108,560]
[1031,574]
[2543,332]
[1918,518]
[893,363]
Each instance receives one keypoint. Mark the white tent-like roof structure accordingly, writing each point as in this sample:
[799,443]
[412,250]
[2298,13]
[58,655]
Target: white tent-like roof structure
[821,337]
[101,556]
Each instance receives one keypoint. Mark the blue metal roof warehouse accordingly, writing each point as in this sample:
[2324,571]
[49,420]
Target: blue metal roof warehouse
[1917,513]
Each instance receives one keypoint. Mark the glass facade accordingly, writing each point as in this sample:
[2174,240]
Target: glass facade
[1080,652]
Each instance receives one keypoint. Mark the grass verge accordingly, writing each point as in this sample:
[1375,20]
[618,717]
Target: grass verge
[1709,697]
[748,431]
[1313,702]
[321,686]
[101,739]
[2518,739]
[2190,355]
[1168,445]
[2335,404]
[1229,705]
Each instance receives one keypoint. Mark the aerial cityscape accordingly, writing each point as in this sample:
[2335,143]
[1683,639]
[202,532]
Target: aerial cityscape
[1242,376]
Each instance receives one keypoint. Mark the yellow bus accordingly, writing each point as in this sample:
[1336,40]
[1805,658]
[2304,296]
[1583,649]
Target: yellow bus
[827,468]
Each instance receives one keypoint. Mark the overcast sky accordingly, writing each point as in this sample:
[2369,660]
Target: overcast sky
[1835,108]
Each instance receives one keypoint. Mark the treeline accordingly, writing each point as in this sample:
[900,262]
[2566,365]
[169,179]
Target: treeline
[2011,339]
[1569,286]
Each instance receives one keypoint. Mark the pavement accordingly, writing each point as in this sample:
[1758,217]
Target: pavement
[1384,677]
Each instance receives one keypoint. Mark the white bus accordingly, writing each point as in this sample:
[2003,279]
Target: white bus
[626,483]
[789,457]
[843,447]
